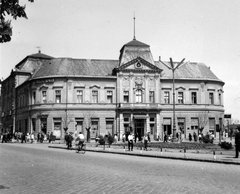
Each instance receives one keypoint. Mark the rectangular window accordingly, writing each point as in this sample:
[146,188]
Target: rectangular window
[95,96]
[34,124]
[166,97]
[194,97]
[220,99]
[109,96]
[58,96]
[79,96]
[44,96]
[126,96]
[180,97]
[194,124]
[109,127]
[151,97]
[211,100]
[138,96]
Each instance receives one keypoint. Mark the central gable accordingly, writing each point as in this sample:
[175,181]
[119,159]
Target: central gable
[139,64]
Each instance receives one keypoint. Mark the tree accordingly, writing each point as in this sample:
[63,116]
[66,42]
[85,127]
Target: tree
[202,120]
[15,10]
[88,123]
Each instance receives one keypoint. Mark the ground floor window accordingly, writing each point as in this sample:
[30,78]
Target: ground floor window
[109,126]
[94,128]
[57,127]
[34,124]
[194,124]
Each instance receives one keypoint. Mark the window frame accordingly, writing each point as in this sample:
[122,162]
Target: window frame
[79,96]
[211,98]
[138,96]
[109,96]
[44,97]
[94,97]
[151,97]
[166,97]
[194,97]
[180,98]
[58,94]
[126,96]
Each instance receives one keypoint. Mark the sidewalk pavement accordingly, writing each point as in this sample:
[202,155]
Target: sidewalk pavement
[224,157]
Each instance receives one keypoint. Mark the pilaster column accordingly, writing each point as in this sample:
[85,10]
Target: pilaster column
[147,123]
[121,125]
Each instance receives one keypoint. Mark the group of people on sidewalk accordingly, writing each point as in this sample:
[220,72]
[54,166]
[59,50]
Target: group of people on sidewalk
[26,137]
[130,139]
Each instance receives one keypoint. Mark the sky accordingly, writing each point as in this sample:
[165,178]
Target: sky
[206,31]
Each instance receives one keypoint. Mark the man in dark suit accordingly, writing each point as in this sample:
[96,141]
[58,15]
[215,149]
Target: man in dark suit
[237,142]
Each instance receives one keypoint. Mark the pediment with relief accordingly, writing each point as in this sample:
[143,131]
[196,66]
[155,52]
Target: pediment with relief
[139,64]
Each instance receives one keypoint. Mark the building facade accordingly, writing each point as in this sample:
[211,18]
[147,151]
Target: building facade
[133,93]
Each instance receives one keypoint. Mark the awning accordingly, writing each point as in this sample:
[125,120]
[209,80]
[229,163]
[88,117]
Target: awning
[140,116]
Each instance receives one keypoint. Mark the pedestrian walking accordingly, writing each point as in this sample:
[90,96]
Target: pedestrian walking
[130,142]
[165,137]
[115,138]
[32,137]
[195,136]
[190,137]
[237,143]
[23,138]
[69,141]
[148,135]
[123,137]
[145,140]
[200,138]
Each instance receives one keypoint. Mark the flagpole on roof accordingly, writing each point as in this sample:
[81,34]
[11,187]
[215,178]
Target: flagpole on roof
[134,38]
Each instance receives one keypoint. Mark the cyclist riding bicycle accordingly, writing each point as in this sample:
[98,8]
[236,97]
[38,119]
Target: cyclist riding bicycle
[80,138]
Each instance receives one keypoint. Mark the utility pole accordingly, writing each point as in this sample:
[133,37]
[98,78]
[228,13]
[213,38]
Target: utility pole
[173,68]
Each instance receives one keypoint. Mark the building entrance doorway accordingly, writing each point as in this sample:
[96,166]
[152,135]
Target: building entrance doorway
[167,129]
[139,128]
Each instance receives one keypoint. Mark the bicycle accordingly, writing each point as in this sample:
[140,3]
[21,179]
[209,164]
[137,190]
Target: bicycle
[79,149]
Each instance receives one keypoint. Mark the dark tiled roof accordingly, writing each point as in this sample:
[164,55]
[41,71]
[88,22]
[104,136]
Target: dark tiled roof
[188,71]
[76,67]
[134,49]
[135,42]
[40,56]
[33,56]
[92,67]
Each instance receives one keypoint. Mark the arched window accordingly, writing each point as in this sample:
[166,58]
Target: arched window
[138,96]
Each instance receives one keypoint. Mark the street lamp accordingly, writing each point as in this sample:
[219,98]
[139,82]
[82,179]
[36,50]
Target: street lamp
[173,68]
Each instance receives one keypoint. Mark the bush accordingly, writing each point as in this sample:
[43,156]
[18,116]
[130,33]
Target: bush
[226,145]
[110,139]
[207,139]
[101,140]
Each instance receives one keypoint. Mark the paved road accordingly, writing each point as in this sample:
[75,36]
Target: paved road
[35,168]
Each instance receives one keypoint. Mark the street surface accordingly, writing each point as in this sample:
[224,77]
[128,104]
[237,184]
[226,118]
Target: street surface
[35,168]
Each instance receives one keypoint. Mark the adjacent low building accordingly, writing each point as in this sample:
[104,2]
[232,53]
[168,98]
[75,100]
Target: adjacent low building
[133,93]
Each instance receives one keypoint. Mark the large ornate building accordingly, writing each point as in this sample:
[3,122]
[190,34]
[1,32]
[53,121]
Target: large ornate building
[111,96]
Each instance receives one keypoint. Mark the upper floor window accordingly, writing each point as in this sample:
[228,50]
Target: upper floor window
[180,97]
[34,97]
[166,97]
[44,96]
[151,97]
[109,96]
[79,96]
[220,99]
[126,96]
[95,96]
[58,96]
[194,97]
[138,96]
[211,99]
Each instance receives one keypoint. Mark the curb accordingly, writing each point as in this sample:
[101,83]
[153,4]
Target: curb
[157,156]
